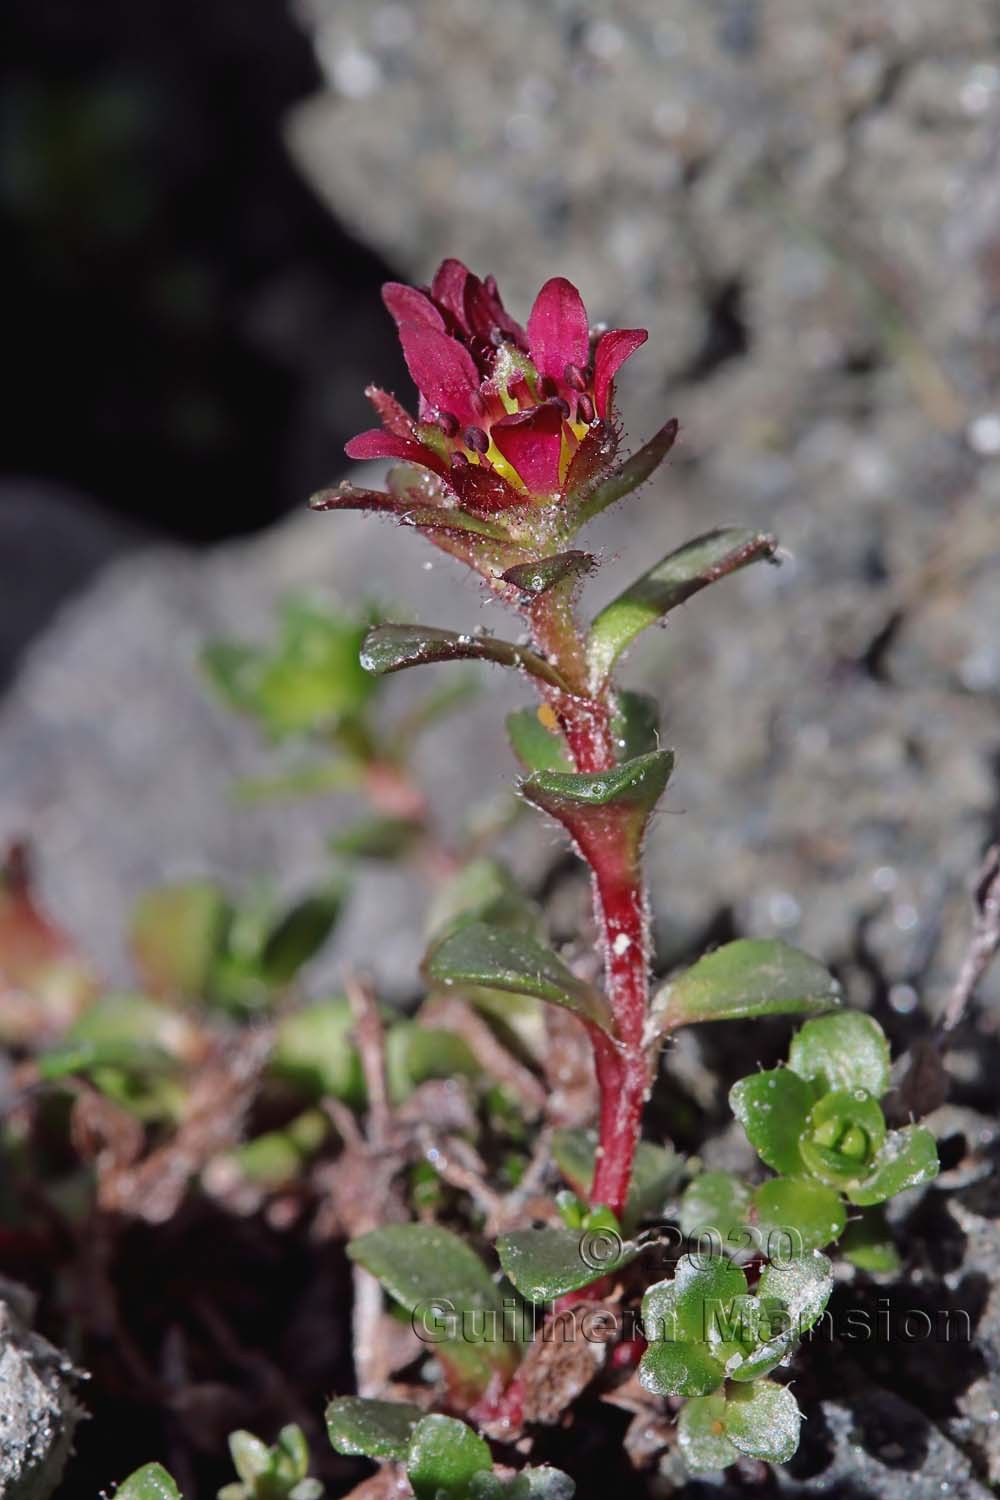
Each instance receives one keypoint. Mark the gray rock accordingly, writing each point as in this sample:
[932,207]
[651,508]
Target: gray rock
[38,1411]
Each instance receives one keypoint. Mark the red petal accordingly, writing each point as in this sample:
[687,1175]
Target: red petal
[444,372]
[378,444]
[613,349]
[394,418]
[558,333]
[407,305]
[448,288]
[482,490]
[531,441]
[485,312]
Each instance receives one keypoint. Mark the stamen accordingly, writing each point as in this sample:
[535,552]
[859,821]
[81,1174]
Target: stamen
[448,423]
[561,406]
[476,439]
[575,377]
[459,461]
[585,409]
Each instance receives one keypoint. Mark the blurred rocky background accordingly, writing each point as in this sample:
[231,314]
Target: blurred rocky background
[800,202]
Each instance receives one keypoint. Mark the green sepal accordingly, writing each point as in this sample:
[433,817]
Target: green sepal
[391,648]
[772,1108]
[908,1158]
[673,580]
[746,979]
[583,504]
[844,1051]
[500,958]
[795,1214]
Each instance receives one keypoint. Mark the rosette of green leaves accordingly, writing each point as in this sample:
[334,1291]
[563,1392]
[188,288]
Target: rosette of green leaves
[818,1123]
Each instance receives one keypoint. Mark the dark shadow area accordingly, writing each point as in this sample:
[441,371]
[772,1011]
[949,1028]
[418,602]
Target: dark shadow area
[190,331]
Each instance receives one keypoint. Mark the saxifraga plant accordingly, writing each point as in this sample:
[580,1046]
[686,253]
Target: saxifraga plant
[514,450]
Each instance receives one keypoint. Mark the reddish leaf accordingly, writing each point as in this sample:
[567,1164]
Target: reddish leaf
[558,332]
[613,349]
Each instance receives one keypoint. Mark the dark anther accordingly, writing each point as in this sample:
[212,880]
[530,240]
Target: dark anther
[448,423]
[498,337]
[475,438]
[585,409]
[575,377]
[459,461]
[561,406]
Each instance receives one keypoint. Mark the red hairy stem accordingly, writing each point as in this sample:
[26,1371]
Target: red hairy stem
[620,910]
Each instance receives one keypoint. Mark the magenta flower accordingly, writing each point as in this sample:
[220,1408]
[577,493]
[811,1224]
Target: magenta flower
[503,409]
[515,441]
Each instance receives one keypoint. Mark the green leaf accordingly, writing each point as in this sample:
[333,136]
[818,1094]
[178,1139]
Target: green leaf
[908,1158]
[749,978]
[680,1369]
[701,1435]
[796,1214]
[772,1107]
[685,1309]
[635,724]
[443,1457]
[313,1051]
[845,1051]
[636,784]
[376,838]
[763,1420]
[623,480]
[537,578]
[679,575]
[717,1202]
[299,934]
[843,1135]
[802,1285]
[868,1244]
[251,1457]
[417,1263]
[372,1429]
[537,748]
[151,1482]
[500,959]
[177,933]
[546,1263]
[391,648]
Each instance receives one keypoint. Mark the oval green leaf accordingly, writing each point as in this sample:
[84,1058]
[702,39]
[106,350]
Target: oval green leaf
[908,1158]
[444,1455]
[547,1263]
[701,1435]
[151,1482]
[391,648]
[751,977]
[772,1107]
[500,958]
[763,1420]
[374,1429]
[845,1051]
[795,1214]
